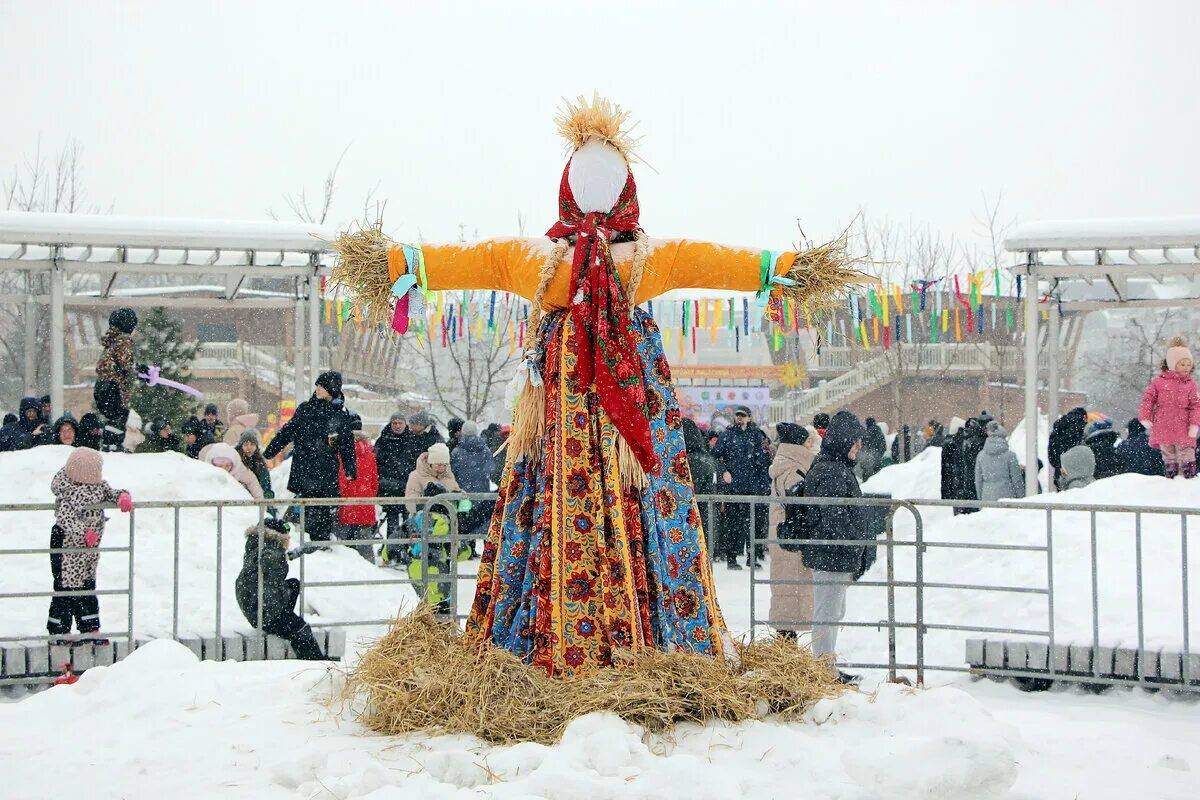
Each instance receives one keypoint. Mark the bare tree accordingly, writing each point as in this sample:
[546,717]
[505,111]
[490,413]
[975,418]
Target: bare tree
[1126,355]
[38,183]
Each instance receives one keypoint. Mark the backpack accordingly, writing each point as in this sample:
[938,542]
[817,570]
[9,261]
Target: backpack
[793,525]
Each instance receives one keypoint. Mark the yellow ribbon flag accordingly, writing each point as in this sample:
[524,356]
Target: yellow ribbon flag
[886,305]
[899,298]
[957,327]
[945,320]
[875,325]
[479,328]
[666,337]
[862,329]
[512,338]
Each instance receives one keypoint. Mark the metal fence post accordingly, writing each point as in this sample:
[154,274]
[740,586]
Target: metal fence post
[752,559]
[1095,600]
[1187,648]
[175,580]
[1050,584]
[919,580]
[219,581]
[129,621]
[1141,626]
[891,594]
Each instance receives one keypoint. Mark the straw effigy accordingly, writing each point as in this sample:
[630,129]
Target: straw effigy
[421,677]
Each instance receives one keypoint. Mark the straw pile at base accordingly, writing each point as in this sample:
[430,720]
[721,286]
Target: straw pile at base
[422,677]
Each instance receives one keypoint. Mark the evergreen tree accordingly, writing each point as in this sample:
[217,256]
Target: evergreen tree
[159,343]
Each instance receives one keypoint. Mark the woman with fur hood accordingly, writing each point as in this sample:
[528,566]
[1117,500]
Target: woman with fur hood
[793,458]
[79,526]
[433,466]
[1171,411]
[237,411]
[279,592]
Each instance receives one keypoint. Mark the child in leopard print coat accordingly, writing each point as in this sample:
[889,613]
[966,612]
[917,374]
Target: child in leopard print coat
[77,488]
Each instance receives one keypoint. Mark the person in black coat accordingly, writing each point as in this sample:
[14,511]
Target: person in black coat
[834,566]
[424,435]
[196,437]
[742,451]
[1066,432]
[91,431]
[1135,453]
[953,474]
[319,433]
[874,447]
[1102,440]
[20,435]
[974,438]
[279,592]
[703,468]
[162,438]
[454,431]
[391,458]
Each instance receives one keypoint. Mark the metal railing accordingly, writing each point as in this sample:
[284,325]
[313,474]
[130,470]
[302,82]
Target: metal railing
[903,615]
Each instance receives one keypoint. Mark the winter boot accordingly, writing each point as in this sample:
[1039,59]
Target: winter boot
[1171,470]
[305,646]
[1189,470]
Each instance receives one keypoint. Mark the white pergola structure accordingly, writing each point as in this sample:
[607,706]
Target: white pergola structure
[1093,265]
[110,248]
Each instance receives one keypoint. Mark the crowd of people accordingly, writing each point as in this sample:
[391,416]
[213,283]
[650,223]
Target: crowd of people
[332,457]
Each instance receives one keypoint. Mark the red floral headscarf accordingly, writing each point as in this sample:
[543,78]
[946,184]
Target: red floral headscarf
[600,309]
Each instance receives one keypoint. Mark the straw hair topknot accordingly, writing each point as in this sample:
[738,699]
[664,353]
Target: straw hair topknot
[422,676]
[579,121]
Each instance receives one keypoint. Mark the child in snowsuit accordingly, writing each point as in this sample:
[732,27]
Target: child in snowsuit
[115,372]
[434,524]
[279,592]
[1171,411]
[77,487]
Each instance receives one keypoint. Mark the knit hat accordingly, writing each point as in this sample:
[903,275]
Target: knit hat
[1098,426]
[331,382]
[397,416]
[470,429]
[236,408]
[1177,351]
[10,418]
[89,421]
[192,425]
[123,319]
[85,465]
[211,408]
[791,433]
[421,418]
[248,435]
[439,453]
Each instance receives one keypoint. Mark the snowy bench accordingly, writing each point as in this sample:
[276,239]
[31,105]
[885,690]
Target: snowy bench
[995,658]
[40,662]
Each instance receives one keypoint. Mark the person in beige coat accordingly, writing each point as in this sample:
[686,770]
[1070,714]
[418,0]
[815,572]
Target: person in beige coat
[237,411]
[795,454]
[433,466]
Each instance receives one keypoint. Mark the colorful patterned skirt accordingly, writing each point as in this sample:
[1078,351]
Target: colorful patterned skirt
[577,569]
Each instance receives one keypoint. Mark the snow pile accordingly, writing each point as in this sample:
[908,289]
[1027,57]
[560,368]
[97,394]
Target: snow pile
[169,725]
[164,477]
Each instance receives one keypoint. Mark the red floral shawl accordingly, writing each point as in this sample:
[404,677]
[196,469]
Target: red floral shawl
[600,309]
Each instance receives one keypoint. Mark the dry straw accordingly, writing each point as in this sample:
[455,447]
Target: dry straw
[362,270]
[422,677]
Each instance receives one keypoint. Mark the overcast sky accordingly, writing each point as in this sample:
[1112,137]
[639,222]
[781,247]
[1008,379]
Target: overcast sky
[753,114]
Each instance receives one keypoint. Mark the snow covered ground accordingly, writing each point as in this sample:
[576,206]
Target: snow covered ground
[160,722]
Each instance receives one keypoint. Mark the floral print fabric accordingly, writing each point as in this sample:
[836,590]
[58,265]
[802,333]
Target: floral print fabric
[576,569]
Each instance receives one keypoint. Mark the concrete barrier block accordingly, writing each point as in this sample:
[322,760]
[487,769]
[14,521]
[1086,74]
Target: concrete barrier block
[974,655]
[993,653]
[1193,668]
[1037,656]
[276,648]
[103,655]
[60,655]
[1102,661]
[255,647]
[1079,659]
[214,649]
[1017,655]
[193,643]
[83,657]
[1061,657]
[12,660]
[233,648]
[37,659]
[1125,662]
[336,646]
[122,648]
[1170,666]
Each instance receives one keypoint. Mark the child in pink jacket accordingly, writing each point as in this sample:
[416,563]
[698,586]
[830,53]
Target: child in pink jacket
[1171,411]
